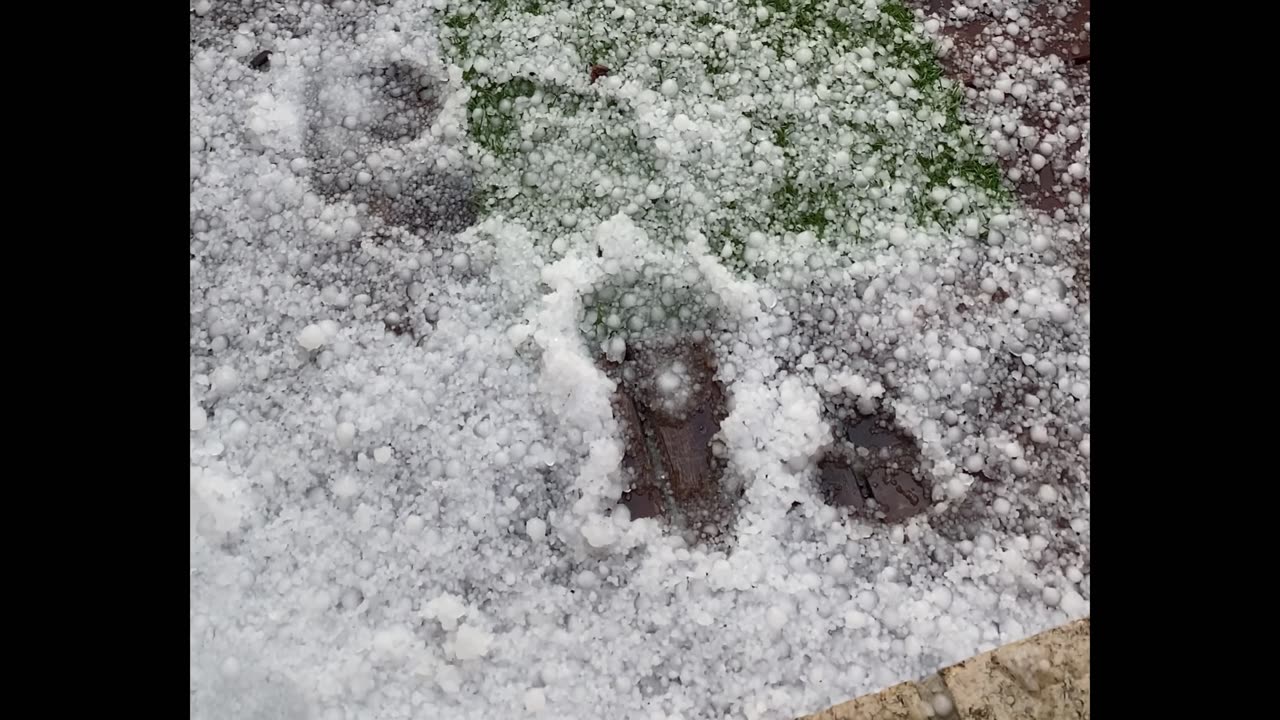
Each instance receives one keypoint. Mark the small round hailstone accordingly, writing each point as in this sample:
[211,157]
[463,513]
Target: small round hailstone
[414,523]
[382,454]
[776,617]
[668,382]
[1075,170]
[536,529]
[345,433]
[1001,506]
[1039,242]
[942,704]
[1039,434]
[837,565]
[1084,446]
[1047,494]
[481,64]
[1073,604]
[311,337]
[973,463]
[804,55]
[1059,313]
[535,700]
[670,87]
[198,418]
[460,262]
[1050,596]
[616,348]
[225,379]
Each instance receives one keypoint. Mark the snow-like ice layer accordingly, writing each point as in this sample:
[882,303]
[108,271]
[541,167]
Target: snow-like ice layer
[424,524]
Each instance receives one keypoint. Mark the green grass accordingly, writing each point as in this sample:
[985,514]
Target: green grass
[460,32]
[801,209]
[950,157]
[495,130]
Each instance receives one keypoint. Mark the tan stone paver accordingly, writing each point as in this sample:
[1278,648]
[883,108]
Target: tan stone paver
[1045,677]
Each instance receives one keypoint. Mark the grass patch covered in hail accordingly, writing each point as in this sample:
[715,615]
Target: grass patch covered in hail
[429,240]
[727,119]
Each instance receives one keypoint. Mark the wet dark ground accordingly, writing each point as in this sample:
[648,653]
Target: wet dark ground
[875,471]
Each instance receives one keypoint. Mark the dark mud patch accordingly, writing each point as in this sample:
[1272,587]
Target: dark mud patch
[875,470]
[674,470]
